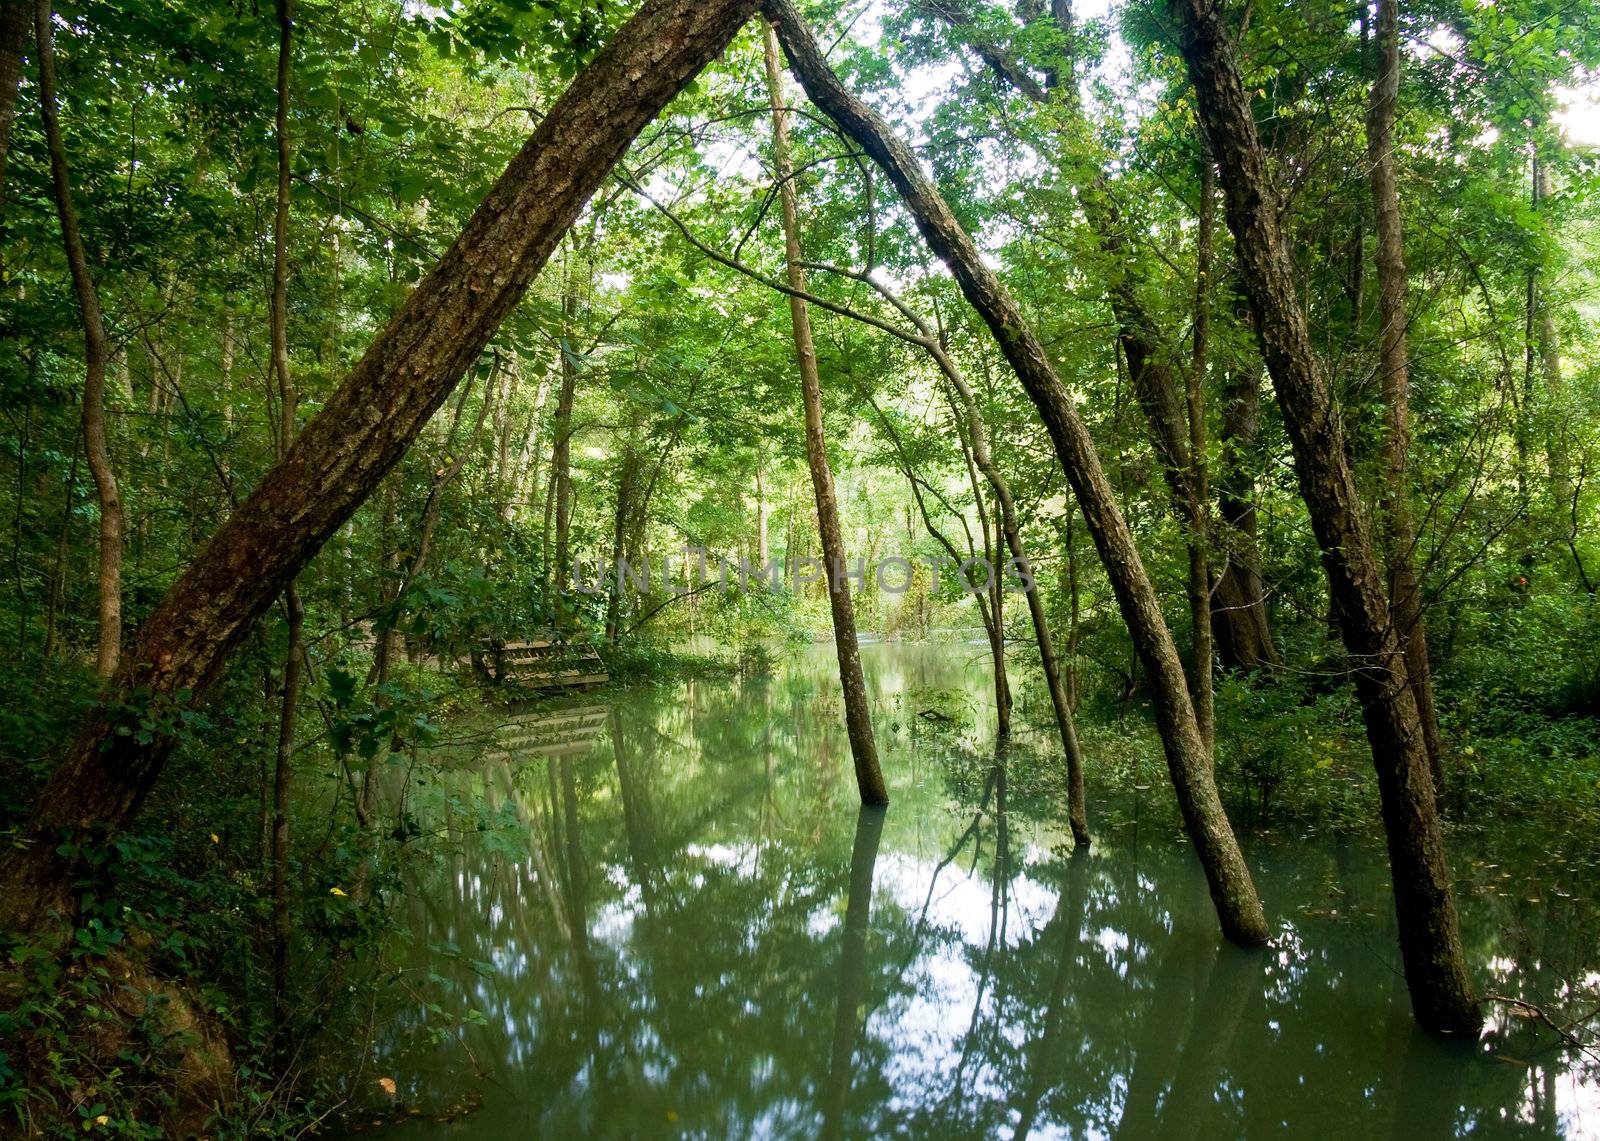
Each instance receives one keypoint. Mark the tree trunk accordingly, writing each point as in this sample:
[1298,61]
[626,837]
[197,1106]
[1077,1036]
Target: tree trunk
[627,475]
[1150,364]
[97,352]
[1200,526]
[1239,604]
[363,429]
[994,624]
[14,20]
[561,458]
[1188,761]
[1430,941]
[283,772]
[1400,533]
[763,512]
[858,718]
[1077,811]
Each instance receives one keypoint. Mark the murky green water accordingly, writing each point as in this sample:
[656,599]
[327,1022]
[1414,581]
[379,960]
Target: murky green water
[683,926]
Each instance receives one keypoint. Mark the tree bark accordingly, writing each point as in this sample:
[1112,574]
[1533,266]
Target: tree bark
[858,718]
[14,20]
[1430,941]
[561,457]
[365,427]
[1200,526]
[1188,762]
[627,476]
[1239,604]
[1400,532]
[283,772]
[97,352]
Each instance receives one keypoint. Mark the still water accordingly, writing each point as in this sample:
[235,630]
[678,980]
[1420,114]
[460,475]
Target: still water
[672,920]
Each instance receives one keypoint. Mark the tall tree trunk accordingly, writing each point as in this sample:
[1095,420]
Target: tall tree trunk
[858,718]
[288,399]
[1200,504]
[363,429]
[561,458]
[97,352]
[1188,761]
[14,20]
[1239,604]
[1430,940]
[1400,533]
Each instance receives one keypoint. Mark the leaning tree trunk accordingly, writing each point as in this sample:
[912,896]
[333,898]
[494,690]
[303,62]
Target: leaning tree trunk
[858,718]
[1400,532]
[1430,940]
[1151,364]
[97,352]
[1188,761]
[364,428]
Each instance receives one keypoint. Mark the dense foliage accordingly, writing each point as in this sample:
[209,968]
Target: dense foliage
[643,401]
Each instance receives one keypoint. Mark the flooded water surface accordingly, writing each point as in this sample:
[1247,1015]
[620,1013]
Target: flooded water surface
[674,921]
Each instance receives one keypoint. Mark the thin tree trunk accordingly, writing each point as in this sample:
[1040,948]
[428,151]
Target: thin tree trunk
[527,462]
[858,718]
[1400,533]
[1554,412]
[763,512]
[58,569]
[363,429]
[1077,811]
[994,625]
[1430,940]
[288,400]
[1150,361]
[627,475]
[97,352]
[561,460]
[1200,504]
[1188,761]
[1239,605]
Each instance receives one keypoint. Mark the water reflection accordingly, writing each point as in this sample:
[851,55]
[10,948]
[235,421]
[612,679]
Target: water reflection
[687,927]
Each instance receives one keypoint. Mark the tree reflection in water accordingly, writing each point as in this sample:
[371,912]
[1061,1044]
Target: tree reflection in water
[687,928]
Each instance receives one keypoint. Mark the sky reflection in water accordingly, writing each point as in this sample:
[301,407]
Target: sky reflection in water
[685,927]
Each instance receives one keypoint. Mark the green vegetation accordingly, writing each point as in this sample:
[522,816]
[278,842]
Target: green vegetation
[204,905]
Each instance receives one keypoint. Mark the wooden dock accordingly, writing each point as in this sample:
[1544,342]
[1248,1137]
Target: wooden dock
[545,665]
